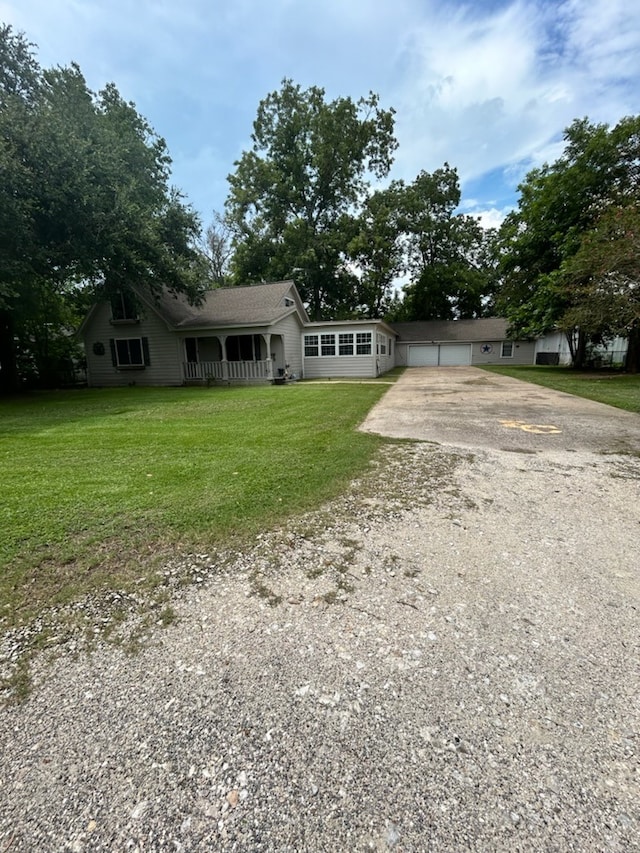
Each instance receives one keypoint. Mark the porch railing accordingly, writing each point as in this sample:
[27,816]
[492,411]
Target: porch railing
[228,371]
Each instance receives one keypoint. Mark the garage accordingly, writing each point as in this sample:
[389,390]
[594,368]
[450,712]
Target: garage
[439,355]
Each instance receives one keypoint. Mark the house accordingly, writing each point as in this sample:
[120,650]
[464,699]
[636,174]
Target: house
[262,333]
[447,343]
[237,334]
[256,333]
[356,348]
[553,348]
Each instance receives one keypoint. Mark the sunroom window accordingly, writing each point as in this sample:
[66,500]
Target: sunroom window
[310,345]
[345,343]
[363,343]
[327,344]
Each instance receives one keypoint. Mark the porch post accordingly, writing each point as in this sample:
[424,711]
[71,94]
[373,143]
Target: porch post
[269,367]
[223,360]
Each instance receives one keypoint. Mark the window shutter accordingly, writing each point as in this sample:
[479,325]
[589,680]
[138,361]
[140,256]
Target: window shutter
[145,351]
[112,347]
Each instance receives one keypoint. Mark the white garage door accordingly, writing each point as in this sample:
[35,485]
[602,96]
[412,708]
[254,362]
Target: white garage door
[439,355]
[423,356]
[452,355]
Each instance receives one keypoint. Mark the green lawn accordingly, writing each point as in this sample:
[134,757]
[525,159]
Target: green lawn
[99,484]
[616,389]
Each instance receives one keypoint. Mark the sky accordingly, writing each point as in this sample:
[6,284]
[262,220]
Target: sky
[487,86]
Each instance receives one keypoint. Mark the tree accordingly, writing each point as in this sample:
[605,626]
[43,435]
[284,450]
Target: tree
[602,282]
[560,206]
[296,195]
[447,252]
[376,250]
[218,251]
[85,205]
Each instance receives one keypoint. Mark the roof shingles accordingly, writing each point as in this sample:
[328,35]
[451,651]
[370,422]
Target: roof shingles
[483,329]
[253,305]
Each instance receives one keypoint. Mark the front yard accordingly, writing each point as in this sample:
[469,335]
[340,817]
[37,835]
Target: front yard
[101,486]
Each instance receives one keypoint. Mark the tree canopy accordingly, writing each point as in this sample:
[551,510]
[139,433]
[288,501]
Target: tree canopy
[301,205]
[567,252]
[295,197]
[447,254]
[85,206]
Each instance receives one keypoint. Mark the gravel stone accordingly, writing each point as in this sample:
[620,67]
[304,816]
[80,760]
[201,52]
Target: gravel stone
[444,659]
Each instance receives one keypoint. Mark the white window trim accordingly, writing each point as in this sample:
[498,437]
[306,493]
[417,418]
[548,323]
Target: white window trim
[346,340]
[311,342]
[120,365]
[364,339]
[502,345]
[328,339]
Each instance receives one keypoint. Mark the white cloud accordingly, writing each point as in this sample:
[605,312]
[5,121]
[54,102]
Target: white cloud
[496,91]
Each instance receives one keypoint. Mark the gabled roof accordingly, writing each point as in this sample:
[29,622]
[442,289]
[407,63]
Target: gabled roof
[483,329]
[250,305]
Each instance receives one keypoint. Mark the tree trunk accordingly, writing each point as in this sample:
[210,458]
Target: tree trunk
[632,361]
[580,354]
[8,368]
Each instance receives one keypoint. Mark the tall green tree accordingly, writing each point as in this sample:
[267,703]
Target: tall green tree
[296,195]
[602,282]
[561,210]
[446,252]
[85,205]
[377,250]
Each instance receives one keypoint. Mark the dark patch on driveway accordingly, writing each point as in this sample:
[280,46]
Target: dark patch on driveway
[468,407]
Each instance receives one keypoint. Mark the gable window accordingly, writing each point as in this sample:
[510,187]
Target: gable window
[363,343]
[507,349]
[310,345]
[123,307]
[130,352]
[327,344]
[288,301]
[345,343]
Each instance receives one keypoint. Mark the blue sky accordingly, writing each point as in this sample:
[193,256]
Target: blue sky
[486,86]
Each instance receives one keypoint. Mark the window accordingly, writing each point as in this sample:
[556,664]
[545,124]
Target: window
[345,343]
[310,345]
[130,352]
[289,303]
[381,344]
[507,349]
[363,343]
[327,344]
[123,307]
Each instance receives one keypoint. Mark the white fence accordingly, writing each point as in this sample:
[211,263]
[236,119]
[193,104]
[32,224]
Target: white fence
[228,371]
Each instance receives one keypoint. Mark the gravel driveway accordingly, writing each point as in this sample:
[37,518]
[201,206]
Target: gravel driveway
[445,659]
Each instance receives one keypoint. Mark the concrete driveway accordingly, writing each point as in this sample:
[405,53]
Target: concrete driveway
[469,407]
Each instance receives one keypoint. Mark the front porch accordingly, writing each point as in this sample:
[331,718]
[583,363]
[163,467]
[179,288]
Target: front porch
[249,372]
[239,358]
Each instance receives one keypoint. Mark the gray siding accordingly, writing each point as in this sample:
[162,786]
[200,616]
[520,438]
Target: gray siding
[165,351]
[402,354]
[523,353]
[348,366]
[289,328]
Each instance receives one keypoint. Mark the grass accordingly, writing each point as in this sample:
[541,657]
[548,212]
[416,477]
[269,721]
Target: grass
[621,390]
[98,486]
